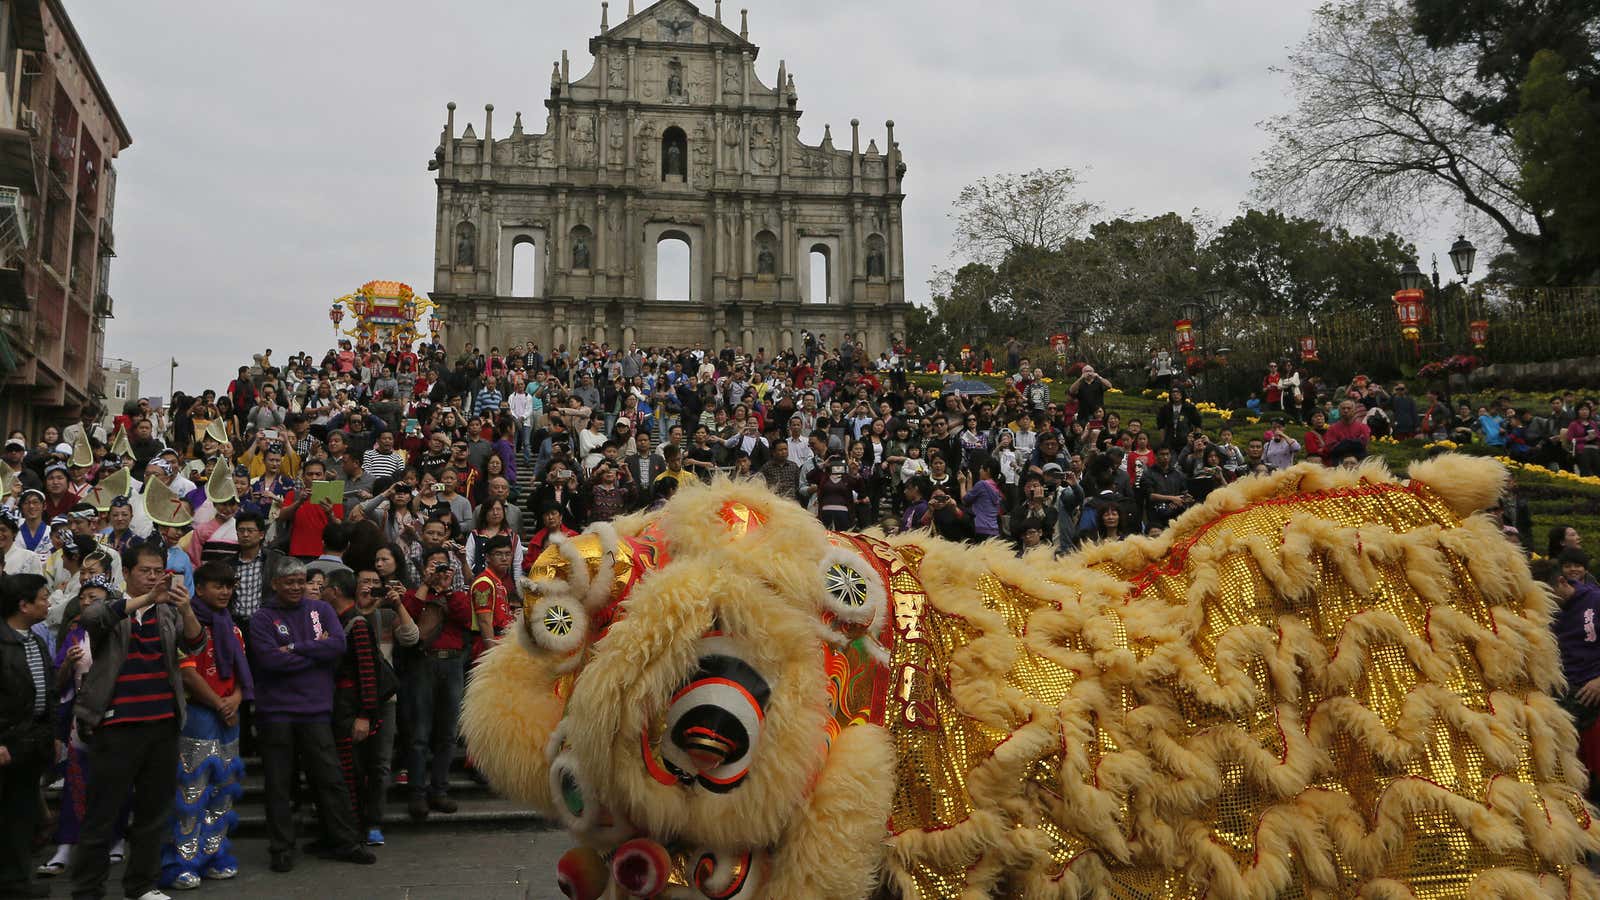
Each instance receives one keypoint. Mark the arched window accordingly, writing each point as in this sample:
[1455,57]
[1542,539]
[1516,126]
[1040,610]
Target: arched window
[524,267]
[582,247]
[821,272]
[674,155]
[766,253]
[876,263]
[672,266]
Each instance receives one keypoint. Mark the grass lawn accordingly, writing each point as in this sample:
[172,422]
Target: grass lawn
[1553,499]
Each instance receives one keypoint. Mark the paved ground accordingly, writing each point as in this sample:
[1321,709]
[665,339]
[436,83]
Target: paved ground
[416,864]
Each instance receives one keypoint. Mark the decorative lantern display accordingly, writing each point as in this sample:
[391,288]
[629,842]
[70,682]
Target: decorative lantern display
[1479,332]
[386,313]
[1185,329]
[1409,309]
[1059,342]
[1308,348]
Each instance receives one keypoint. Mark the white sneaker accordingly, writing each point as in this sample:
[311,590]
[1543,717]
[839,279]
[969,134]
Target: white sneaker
[153,895]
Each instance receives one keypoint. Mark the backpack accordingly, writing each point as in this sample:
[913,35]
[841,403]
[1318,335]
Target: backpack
[388,679]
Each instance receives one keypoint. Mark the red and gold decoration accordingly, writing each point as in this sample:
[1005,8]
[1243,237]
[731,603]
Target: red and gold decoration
[1185,329]
[1308,348]
[1410,308]
[1060,342]
[389,313]
[1478,331]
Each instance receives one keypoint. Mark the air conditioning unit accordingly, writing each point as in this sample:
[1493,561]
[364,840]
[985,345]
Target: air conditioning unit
[13,224]
[28,121]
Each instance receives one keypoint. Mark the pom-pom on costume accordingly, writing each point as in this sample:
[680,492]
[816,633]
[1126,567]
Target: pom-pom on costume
[1322,683]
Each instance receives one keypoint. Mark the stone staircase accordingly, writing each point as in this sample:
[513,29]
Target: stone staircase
[479,804]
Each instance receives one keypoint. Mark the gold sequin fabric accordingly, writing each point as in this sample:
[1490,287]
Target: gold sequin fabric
[1310,693]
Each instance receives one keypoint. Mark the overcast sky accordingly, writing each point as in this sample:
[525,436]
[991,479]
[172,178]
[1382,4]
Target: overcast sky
[280,149]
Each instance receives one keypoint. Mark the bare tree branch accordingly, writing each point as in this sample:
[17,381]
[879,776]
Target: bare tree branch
[1378,136]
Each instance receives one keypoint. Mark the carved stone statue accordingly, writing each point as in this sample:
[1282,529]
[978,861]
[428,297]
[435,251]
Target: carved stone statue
[466,245]
[875,265]
[673,161]
[766,262]
[580,251]
[674,79]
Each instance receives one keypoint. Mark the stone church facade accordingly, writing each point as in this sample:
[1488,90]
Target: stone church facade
[671,136]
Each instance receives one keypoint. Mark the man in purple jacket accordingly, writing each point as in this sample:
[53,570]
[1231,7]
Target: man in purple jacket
[295,647]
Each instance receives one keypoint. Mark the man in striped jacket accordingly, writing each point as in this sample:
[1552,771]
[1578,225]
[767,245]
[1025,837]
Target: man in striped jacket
[129,709]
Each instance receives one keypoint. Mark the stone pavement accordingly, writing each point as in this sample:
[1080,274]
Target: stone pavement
[515,863]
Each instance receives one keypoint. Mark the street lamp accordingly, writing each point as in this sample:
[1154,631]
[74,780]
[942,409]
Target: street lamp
[1076,318]
[1462,256]
[1411,277]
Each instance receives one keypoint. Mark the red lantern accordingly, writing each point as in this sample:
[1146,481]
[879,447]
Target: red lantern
[1479,332]
[1185,335]
[359,304]
[1059,343]
[336,315]
[1409,309]
[1308,348]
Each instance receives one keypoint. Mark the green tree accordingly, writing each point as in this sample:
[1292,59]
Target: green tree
[1536,67]
[1505,37]
[1557,131]
[1273,265]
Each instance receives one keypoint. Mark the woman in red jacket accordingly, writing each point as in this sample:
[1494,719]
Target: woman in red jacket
[1316,440]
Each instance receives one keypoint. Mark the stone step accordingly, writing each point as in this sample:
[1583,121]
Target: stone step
[461,787]
[473,811]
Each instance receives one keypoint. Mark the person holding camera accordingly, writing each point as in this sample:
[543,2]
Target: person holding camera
[435,683]
[1165,490]
[129,711]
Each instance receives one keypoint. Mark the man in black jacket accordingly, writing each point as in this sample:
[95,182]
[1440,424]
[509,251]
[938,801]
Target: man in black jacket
[27,747]
[1176,419]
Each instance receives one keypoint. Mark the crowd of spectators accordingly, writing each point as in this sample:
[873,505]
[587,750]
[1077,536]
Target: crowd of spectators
[301,566]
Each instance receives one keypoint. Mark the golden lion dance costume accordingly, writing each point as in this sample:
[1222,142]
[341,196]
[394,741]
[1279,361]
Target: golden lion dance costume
[1324,683]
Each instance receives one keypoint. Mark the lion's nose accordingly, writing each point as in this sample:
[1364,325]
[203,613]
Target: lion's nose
[641,867]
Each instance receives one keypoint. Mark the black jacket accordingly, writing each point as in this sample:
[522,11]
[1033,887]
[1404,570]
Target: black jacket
[30,740]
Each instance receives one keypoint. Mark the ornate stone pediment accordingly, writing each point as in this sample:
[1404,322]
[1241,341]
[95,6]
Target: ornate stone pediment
[675,22]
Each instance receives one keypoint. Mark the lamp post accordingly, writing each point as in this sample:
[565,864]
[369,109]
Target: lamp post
[1199,311]
[1076,321]
[1411,300]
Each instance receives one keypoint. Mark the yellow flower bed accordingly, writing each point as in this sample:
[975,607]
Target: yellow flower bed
[1562,474]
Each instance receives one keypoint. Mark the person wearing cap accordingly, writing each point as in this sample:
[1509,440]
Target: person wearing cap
[214,537]
[15,558]
[59,496]
[118,533]
[171,517]
[34,529]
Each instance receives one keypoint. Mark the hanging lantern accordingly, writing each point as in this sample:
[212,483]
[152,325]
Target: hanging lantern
[1185,329]
[410,309]
[1308,348]
[1409,309]
[336,315]
[1479,332]
[359,304]
[1059,342]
